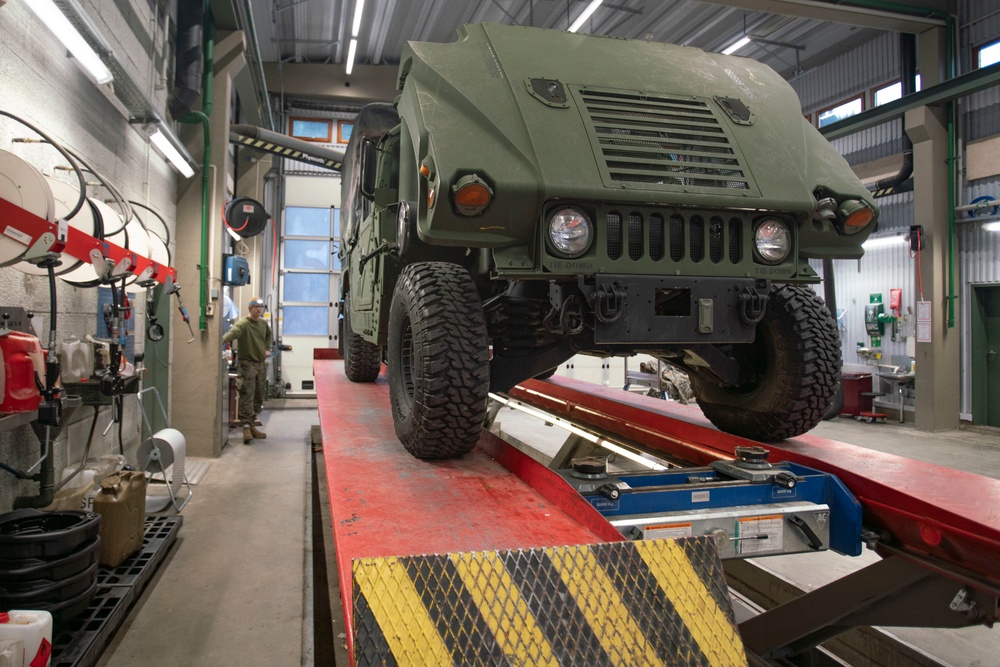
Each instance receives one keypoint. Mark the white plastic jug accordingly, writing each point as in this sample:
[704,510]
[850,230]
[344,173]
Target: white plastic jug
[34,629]
[76,359]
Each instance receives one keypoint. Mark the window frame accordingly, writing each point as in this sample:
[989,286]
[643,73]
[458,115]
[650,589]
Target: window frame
[329,129]
[342,136]
[843,102]
[977,53]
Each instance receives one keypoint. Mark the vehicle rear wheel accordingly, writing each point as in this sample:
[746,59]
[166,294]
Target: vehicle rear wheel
[438,360]
[788,374]
[361,358]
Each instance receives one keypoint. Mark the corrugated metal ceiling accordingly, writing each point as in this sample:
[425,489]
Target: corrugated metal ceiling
[318,31]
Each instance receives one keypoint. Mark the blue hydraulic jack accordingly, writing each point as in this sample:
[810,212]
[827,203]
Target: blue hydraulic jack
[749,506]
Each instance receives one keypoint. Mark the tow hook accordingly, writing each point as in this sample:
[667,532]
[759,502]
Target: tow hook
[609,302]
[752,306]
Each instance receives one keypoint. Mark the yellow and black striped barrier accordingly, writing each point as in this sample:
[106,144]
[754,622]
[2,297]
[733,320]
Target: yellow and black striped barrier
[653,602]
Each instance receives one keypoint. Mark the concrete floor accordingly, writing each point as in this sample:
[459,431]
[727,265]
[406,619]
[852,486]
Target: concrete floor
[234,590]
[236,587]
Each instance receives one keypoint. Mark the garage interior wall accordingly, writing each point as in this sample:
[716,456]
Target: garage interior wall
[46,87]
[873,65]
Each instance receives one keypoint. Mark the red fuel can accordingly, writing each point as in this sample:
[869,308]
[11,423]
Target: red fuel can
[22,355]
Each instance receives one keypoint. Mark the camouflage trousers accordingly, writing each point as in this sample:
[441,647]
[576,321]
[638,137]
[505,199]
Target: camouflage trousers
[250,377]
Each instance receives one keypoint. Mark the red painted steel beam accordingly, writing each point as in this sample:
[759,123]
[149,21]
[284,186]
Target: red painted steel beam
[929,510]
[384,502]
[26,227]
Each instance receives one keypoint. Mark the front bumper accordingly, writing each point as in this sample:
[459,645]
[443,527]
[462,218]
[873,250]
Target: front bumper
[652,310]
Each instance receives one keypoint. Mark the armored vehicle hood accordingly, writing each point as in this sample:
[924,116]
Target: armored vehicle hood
[543,114]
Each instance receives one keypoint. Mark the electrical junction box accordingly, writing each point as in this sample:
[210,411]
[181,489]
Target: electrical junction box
[235,270]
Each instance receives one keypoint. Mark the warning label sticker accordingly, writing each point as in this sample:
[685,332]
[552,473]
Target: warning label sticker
[670,531]
[761,534]
[17,235]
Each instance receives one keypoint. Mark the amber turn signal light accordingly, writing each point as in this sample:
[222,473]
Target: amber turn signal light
[471,195]
[856,215]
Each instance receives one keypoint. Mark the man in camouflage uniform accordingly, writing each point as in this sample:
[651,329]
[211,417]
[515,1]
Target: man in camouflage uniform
[253,339]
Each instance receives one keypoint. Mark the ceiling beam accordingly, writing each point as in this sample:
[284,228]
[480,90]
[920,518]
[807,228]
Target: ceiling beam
[850,15]
[960,86]
[368,83]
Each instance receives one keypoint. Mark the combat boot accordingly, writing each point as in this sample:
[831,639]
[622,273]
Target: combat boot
[259,435]
[247,435]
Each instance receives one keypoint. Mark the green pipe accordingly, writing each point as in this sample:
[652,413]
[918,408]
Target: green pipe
[952,155]
[202,117]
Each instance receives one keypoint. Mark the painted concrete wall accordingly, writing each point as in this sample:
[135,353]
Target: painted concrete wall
[40,83]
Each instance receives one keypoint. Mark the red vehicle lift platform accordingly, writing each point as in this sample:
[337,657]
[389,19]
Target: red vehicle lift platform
[493,559]
[404,529]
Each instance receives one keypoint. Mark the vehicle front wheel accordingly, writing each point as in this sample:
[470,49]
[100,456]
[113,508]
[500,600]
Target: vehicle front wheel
[438,360]
[361,358]
[788,375]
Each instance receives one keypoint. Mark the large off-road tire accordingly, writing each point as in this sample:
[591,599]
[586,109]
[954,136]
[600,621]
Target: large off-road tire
[438,360]
[788,374]
[362,361]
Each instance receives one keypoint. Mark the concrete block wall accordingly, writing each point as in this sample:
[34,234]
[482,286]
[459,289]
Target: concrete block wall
[42,84]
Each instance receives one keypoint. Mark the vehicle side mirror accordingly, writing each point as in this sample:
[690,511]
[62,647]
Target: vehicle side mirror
[368,169]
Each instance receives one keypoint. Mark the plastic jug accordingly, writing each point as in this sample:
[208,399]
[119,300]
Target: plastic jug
[34,629]
[78,491]
[121,503]
[22,356]
[76,359]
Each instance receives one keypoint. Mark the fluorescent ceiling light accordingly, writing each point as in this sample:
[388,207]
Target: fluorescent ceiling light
[352,51]
[591,8]
[883,241]
[71,39]
[158,139]
[992,226]
[736,46]
[359,7]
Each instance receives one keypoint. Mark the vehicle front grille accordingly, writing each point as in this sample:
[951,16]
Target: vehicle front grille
[662,142]
[658,237]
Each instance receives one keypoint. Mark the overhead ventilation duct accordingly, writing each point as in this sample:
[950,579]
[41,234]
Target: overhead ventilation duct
[907,76]
[186,93]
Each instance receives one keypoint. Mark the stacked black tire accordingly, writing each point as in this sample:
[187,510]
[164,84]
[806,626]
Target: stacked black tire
[48,561]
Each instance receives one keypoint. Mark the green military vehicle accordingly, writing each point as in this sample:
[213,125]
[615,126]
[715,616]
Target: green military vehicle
[536,194]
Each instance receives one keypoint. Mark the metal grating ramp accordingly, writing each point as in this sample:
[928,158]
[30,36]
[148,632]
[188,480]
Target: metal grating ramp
[654,602]
[81,643]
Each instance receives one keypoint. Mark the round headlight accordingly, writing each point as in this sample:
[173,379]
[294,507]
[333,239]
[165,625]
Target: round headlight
[773,240]
[569,232]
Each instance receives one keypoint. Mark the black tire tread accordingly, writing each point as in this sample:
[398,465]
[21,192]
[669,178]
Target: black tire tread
[451,361]
[362,360]
[803,372]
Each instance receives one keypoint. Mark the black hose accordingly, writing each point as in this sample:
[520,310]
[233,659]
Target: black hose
[14,471]
[65,154]
[118,197]
[121,422]
[166,241]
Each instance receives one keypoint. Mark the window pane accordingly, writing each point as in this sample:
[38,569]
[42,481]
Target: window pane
[888,94]
[312,129]
[307,255]
[307,287]
[336,253]
[336,222]
[845,110]
[305,321]
[989,55]
[307,221]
